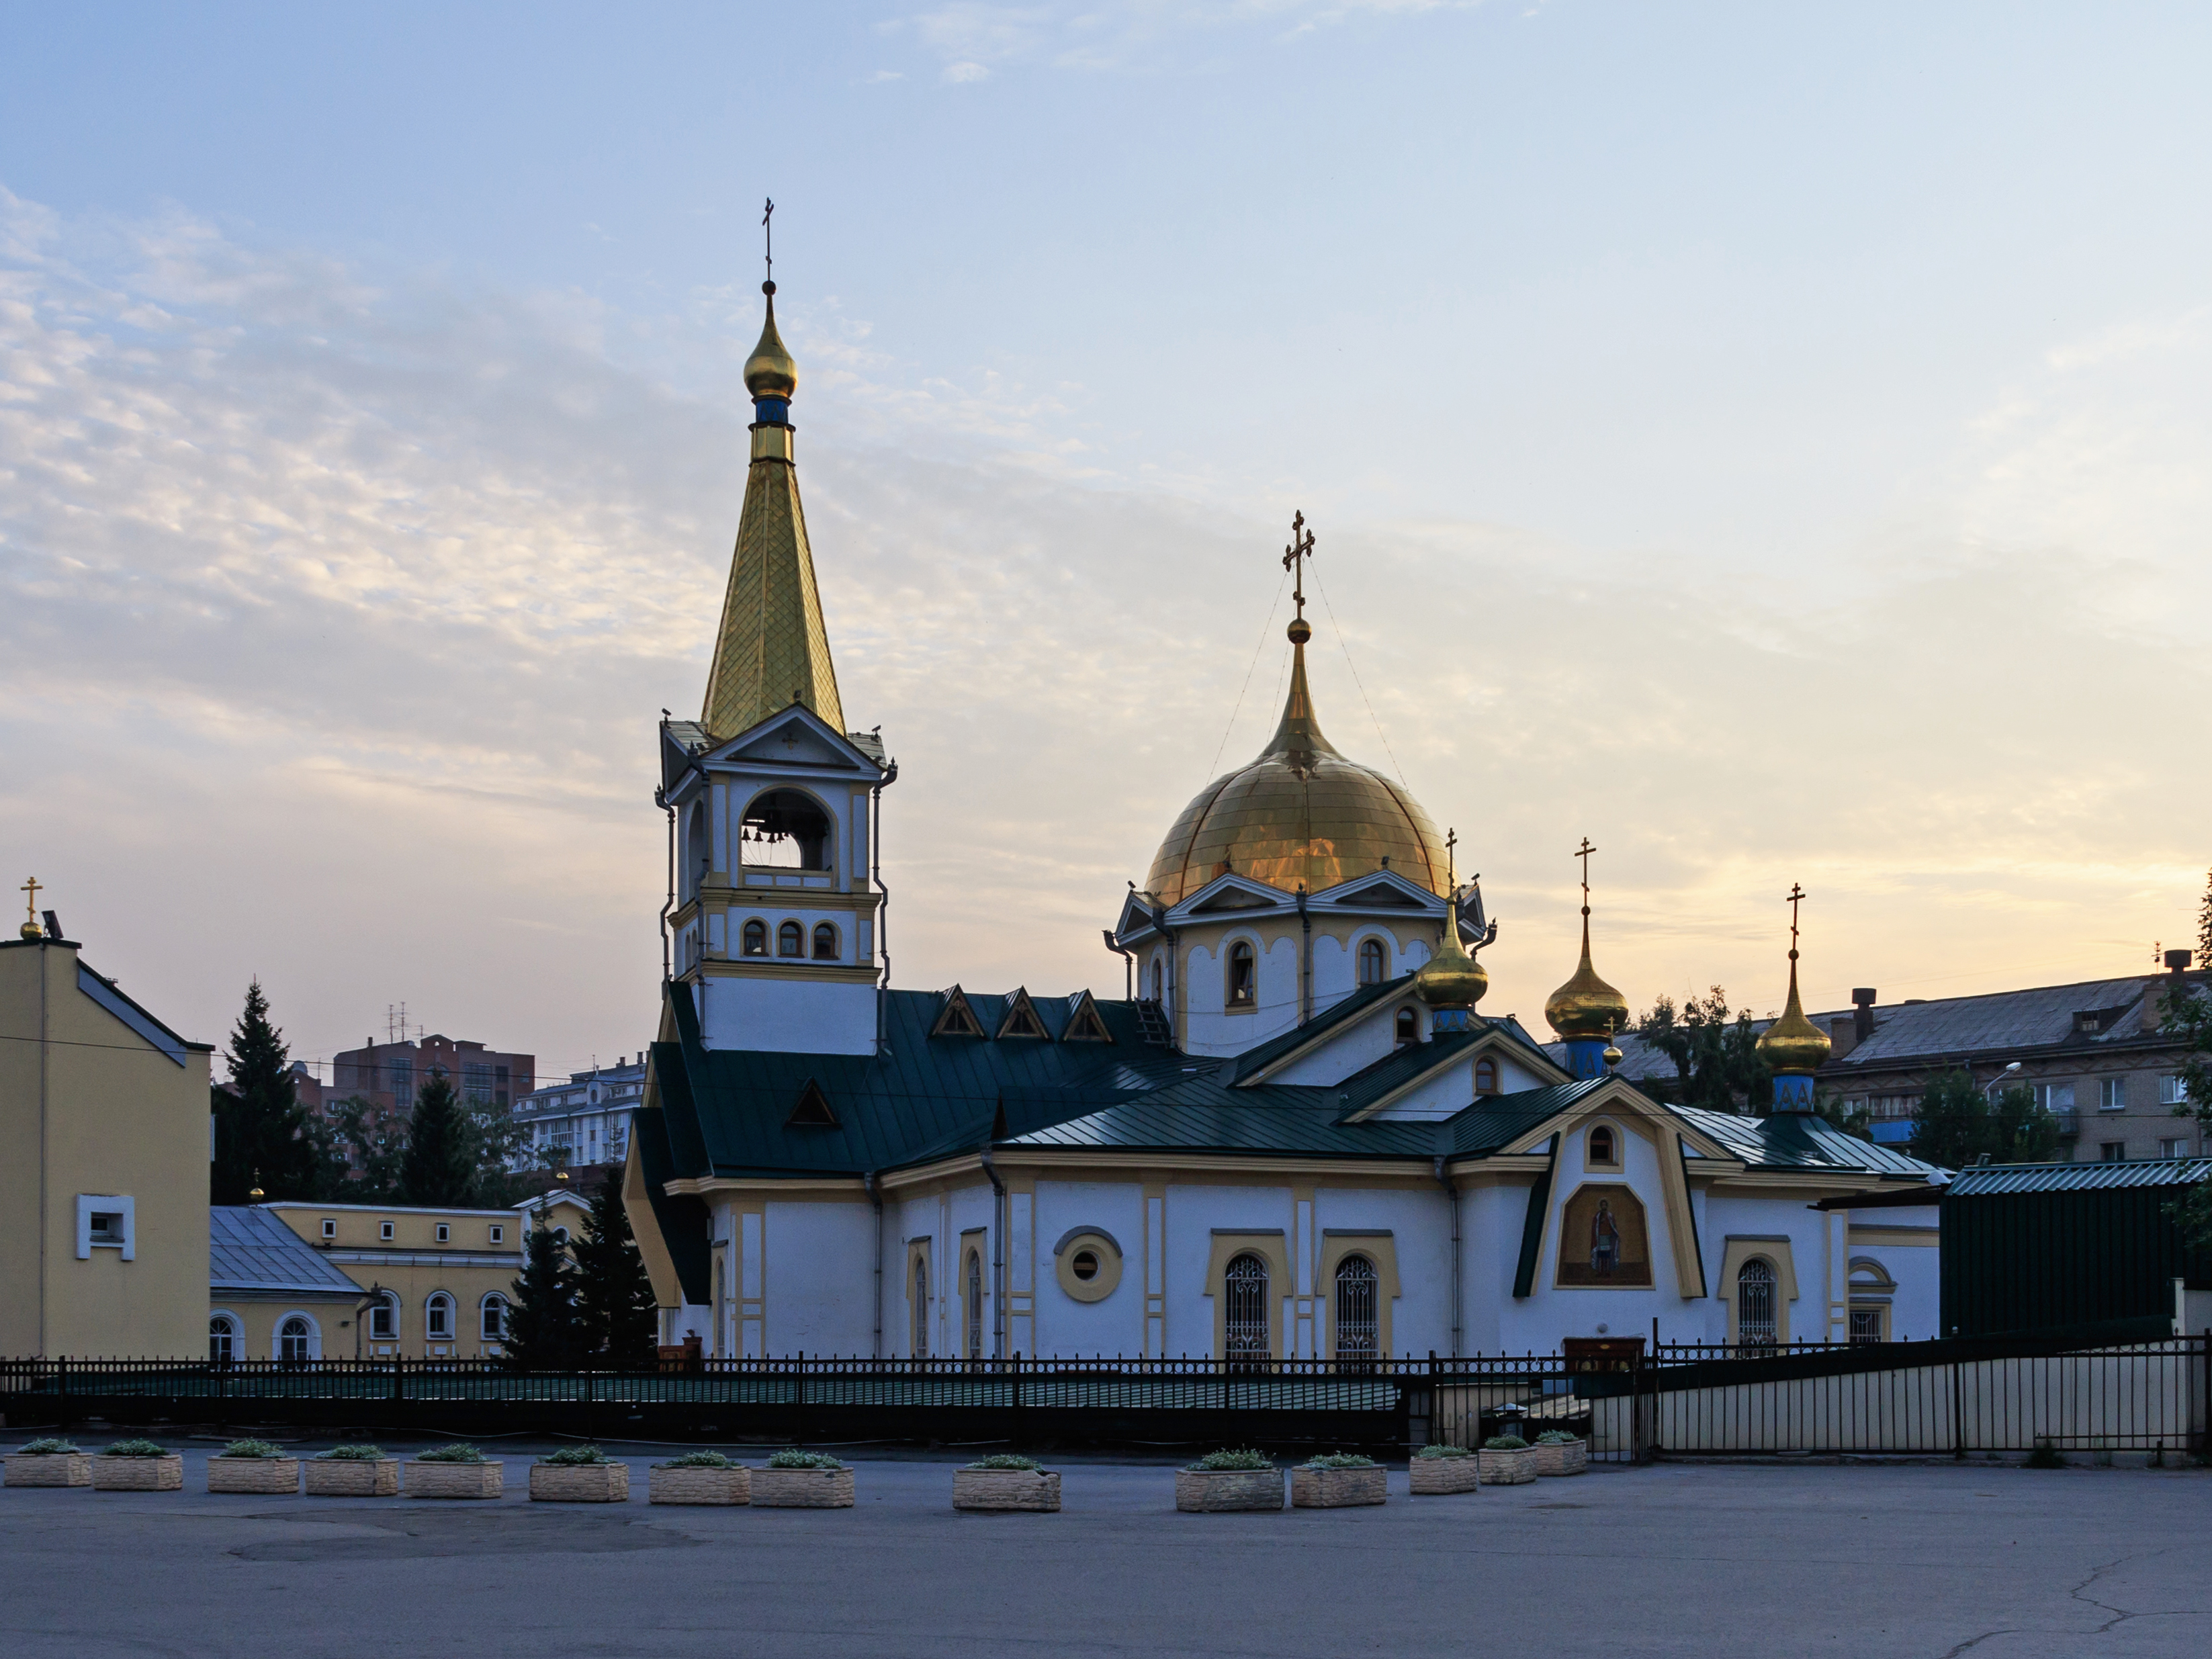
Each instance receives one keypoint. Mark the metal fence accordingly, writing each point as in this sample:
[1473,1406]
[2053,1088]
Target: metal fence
[1953,1397]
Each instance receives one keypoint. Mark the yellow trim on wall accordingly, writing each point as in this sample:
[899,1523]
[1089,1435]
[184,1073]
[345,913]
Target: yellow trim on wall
[1271,1248]
[1381,1247]
[1100,1285]
[1742,1248]
[1904,1236]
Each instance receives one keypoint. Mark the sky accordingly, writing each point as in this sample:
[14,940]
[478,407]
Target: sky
[1770,441]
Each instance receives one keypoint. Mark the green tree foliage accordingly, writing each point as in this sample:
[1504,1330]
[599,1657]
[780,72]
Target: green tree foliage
[439,1166]
[1957,1123]
[261,1131]
[2190,1018]
[545,1325]
[1715,1055]
[614,1296]
[365,1145]
[492,1136]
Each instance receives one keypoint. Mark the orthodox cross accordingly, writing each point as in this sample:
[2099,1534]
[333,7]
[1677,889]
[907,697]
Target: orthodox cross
[30,892]
[767,236]
[1296,555]
[1451,861]
[1796,896]
[1583,852]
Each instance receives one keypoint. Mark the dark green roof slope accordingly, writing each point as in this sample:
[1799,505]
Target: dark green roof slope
[1798,1140]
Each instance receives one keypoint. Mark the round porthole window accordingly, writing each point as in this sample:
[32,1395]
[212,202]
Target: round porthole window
[1087,1262]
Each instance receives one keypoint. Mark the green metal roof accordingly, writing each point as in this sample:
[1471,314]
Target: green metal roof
[1989,1178]
[1799,1140]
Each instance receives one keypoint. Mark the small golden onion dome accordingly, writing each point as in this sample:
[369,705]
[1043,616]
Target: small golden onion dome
[1300,630]
[1299,815]
[1451,978]
[1793,1043]
[31,930]
[1612,1055]
[1586,1008]
[770,372]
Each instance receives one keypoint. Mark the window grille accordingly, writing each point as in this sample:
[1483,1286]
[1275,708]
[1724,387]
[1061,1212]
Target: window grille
[1866,1324]
[292,1340]
[1370,962]
[974,1306]
[921,1308]
[1754,1306]
[1359,1334]
[1246,1286]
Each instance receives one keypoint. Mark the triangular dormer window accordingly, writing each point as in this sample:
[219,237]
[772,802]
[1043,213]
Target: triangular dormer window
[1021,1020]
[957,1017]
[813,1110]
[1085,1023]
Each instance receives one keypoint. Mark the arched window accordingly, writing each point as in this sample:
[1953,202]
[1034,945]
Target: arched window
[921,1309]
[1244,981]
[223,1339]
[491,1317]
[974,1304]
[785,829]
[438,1318]
[755,937]
[1357,1329]
[1755,1304]
[697,850]
[1371,962]
[790,941]
[384,1318]
[1601,1149]
[1157,995]
[294,1338]
[1408,1029]
[1485,1076]
[825,942]
[1246,1325]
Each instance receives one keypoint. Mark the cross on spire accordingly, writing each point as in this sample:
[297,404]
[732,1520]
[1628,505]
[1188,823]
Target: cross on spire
[1583,852]
[30,892]
[1295,556]
[1797,896]
[767,237]
[1451,862]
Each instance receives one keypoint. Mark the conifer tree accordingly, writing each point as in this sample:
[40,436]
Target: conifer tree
[438,1168]
[2188,1016]
[261,1130]
[614,1296]
[545,1328]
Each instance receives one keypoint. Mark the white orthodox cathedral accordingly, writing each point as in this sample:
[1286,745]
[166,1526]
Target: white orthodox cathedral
[1298,1139]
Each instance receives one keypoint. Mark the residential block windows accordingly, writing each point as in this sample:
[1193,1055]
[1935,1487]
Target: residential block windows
[2055,1097]
[2173,1092]
[2111,1094]
[2112,1151]
[2176,1147]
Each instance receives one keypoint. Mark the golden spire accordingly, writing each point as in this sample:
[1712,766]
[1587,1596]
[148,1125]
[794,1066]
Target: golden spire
[1451,978]
[771,649]
[1586,1008]
[1793,1045]
[1299,731]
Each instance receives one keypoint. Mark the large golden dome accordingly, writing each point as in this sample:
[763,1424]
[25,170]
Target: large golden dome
[1299,814]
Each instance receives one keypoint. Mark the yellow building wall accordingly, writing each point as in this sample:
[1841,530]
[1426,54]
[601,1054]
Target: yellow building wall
[90,1105]
[258,1319]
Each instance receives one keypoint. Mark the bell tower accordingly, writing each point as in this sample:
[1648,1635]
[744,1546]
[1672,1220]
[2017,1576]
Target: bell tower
[774,920]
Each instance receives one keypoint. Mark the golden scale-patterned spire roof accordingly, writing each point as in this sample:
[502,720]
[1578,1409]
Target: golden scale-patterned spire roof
[771,650]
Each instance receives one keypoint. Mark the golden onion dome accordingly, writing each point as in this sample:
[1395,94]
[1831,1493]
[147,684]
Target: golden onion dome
[770,372]
[1586,1008]
[1793,1043]
[1299,814]
[1451,978]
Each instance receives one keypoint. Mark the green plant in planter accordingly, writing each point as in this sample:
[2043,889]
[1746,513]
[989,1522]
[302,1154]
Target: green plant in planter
[697,1460]
[792,1458]
[1229,1459]
[459,1452]
[1505,1443]
[250,1447]
[352,1454]
[568,1456]
[1443,1451]
[1557,1437]
[46,1446]
[137,1448]
[1004,1461]
[1341,1460]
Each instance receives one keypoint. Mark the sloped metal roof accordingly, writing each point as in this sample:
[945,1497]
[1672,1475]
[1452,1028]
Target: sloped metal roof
[251,1249]
[1989,1178]
[2041,1016]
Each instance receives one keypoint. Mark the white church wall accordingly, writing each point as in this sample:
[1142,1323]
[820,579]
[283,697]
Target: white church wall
[1419,1228]
[1439,1096]
[820,1292]
[797,1015]
[1359,1044]
[1513,1077]
[1490,1222]
[1764,1225]
[1209,1026]
[1914,1268]
[1116,1324]
[1336,961]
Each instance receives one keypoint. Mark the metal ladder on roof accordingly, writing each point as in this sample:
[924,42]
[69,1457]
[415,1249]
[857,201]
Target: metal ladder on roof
[1152,1020]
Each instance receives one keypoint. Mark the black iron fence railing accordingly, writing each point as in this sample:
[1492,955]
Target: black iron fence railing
[1954,1397]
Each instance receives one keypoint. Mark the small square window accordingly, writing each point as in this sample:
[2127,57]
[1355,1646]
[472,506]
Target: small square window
[384,1230]
[107,1226]
[2112,1151]
[498,1233]
[2111,1094]
[445,1233]
[330,1227]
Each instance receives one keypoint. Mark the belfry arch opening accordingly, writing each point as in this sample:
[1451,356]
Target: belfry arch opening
[785,829]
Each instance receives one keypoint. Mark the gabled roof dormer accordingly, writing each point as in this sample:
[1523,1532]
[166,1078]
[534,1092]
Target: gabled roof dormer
[1022,1019]
[1384,891]
[813,1110]
[1231,895]
[958,1017]
[1084,1022]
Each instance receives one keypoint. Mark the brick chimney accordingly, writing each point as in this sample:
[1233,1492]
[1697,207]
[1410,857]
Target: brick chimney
[1863,1013]
[2158,997]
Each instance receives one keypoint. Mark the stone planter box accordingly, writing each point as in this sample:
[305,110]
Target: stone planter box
[421,1479]
[1507,1468]
[1337,1489]
[1555,1459]
[138,1474]
[1435,1477]
[49,1469]
[1205,1491]
[260,1476]
[1005,1489]
[802,1489]
[346,1477]
[579,1483]
[732,1485]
